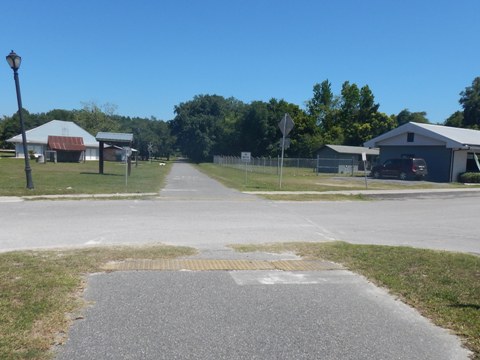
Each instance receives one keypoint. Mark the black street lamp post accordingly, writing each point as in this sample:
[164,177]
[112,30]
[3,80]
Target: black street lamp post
[14,61]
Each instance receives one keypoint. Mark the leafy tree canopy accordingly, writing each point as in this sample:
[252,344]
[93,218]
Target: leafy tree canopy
[405,116]
[455,120]
[350,118]
[94,118]
[203,126]
[470,101]
[211,124]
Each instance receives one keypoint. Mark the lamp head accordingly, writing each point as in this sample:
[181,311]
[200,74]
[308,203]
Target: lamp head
[14,60]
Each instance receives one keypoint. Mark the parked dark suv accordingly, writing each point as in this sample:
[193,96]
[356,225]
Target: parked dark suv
[413,168]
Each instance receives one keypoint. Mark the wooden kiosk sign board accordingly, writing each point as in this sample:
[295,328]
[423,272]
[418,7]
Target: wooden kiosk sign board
[119,139]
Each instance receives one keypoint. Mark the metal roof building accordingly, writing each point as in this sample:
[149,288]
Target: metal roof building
[37,138]
[448,151]
[344,159]
[352,150]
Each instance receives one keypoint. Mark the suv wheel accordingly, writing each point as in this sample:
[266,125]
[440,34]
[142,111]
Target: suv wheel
[402,175]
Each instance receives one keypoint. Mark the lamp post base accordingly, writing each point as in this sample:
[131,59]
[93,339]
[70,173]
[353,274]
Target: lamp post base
[28,174]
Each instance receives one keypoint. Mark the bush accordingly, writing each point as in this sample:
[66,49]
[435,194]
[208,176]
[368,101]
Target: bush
[469,177]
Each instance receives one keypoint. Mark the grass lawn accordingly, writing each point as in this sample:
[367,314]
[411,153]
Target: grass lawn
[80,178]
[443,286]
[295,179]
[38,289]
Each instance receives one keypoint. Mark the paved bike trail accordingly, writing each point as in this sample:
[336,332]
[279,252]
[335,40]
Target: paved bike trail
[253,314]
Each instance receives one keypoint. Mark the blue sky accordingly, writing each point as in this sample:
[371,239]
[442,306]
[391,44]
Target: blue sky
[147,56]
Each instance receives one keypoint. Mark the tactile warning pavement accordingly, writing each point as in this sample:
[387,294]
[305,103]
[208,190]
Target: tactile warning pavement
[211,265]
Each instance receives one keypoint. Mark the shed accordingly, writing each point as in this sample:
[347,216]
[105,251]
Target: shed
[67,148]
[342,158]
[115,153]
[448,151]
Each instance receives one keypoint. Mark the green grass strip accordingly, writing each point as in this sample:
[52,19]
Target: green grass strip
[80,178]
[40,293]
[303,179]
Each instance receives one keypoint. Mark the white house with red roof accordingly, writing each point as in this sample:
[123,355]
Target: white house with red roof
[60,136]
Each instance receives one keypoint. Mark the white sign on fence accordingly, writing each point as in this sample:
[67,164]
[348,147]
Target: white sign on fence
[246,156]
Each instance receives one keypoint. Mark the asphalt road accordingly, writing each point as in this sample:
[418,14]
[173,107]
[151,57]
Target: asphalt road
[196,211]
[243,314]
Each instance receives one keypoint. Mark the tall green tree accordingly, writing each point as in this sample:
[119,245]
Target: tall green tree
[200,125]
[94,118]
[164,140]
[323,108]
[228,137]
[257,131]
[367,107]
[10,126]
[305,137]
[455,120]
[260,134]
[322,102]
[470,101]
[56,114]
[148,134]
[405,116]
[350,103]
[358,116]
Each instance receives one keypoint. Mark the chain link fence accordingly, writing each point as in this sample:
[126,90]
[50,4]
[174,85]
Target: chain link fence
[268,165]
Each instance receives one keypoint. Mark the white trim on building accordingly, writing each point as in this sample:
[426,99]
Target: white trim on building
[448,148]
[37,138]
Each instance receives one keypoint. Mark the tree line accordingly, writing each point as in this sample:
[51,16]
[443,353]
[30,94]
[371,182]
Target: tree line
[210,125]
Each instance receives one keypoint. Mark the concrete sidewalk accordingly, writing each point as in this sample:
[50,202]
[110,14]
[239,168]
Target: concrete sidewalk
[403,192]
[474,191]
[76,196]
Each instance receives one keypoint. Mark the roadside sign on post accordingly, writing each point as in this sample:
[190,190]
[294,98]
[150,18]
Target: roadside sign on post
[246,156]
[286,125]
[364,159]
[128,153]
